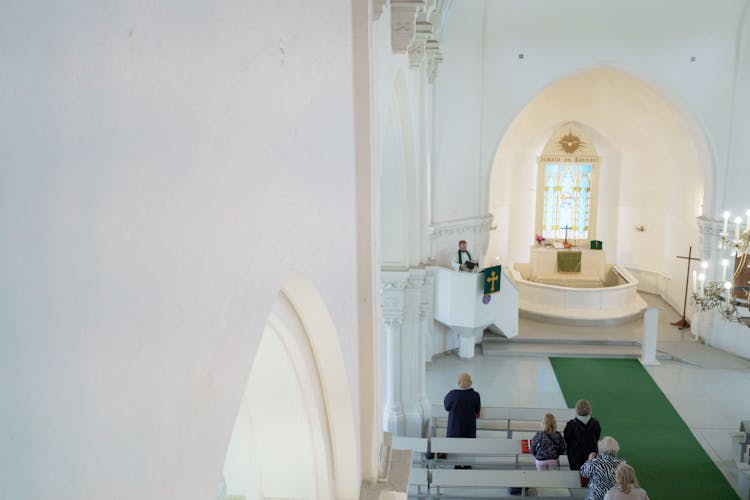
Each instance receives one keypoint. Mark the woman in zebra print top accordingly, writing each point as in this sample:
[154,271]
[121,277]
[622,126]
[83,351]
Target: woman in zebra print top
[601,469]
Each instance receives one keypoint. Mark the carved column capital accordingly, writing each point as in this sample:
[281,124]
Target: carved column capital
[377,9]
[403,23]
[708,226]
[393,322]
[710,230]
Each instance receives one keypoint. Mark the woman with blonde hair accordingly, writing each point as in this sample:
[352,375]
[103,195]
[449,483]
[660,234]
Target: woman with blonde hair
[627,485]
[547,445]
[463,406]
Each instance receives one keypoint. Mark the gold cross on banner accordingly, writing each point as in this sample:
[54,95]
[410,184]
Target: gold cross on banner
[492,280]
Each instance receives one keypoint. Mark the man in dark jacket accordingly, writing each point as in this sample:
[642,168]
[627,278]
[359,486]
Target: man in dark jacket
[581,435]
[463,407]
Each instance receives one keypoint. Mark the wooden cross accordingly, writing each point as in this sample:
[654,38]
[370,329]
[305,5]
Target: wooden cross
[491,280]
[683,322]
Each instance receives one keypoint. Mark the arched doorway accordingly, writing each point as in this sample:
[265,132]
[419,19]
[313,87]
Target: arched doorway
[296,418]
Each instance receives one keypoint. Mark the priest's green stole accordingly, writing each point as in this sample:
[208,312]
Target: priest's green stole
[568,262]
[491,279]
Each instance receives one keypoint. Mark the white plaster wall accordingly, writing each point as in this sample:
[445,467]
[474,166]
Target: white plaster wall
[736,188]
[456,167]
[161,167]
[559,40]
[399,150]
[395,214]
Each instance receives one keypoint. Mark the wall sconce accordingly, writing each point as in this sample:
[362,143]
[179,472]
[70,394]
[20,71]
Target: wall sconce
[640,228]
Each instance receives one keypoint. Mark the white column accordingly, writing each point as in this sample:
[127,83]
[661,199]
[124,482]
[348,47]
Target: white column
[410,347]
[697,323]
[710,230]
[650,331]
[393,411]
[425,335]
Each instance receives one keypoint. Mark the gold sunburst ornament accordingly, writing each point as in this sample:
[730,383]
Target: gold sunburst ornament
[570,143]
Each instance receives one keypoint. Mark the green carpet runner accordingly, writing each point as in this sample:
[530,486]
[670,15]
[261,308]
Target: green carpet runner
[669,461]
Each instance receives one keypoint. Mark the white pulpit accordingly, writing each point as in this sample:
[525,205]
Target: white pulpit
[461,305]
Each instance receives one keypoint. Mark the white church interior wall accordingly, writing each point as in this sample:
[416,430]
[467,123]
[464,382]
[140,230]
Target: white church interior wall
[458,101]
[159,176]
[509,82]
[732,179]
[394,195]
[735,185]
[397,139]
[552,52]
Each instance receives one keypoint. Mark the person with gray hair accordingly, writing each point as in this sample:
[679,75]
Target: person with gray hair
[601,468]
[463,406]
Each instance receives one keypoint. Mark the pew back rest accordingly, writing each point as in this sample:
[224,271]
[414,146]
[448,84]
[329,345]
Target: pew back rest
[506,413]
[479,447]
[419,476]
[417,445]
[505,478]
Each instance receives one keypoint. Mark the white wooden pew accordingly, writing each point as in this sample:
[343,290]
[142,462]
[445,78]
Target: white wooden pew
[483,452]
[420,446]
[740,444]
[460,482]
[419,475]
[495,419]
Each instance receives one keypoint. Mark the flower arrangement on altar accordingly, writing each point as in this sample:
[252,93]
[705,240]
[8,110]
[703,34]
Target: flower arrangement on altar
[539,239]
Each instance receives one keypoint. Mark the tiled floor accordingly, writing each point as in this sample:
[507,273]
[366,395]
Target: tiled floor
[707,387]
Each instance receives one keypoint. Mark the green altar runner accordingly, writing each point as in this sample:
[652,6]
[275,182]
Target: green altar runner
[568,261]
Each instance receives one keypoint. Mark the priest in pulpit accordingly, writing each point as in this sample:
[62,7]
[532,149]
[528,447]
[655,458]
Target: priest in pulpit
[462,261]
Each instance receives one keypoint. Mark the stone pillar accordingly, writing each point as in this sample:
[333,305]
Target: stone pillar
[650,332]
[710,231]
[403,23]
[393,411]
[408,318]
[425,335]
[410,342]
[697,323]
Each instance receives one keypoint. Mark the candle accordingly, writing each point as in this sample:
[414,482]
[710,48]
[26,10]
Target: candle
[737,223]
[724,264]
[702,279]
[726,222]
[695,282]
[728,288]
[747,223]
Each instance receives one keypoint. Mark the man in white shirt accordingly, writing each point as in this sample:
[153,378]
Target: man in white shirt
[462,261]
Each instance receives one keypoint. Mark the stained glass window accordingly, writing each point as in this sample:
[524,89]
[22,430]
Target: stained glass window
[567,201]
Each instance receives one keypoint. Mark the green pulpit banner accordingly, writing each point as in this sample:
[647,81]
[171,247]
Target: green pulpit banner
[568,262]
[492,279]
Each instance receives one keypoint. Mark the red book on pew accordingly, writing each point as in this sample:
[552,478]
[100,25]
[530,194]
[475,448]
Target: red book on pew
[525,446]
